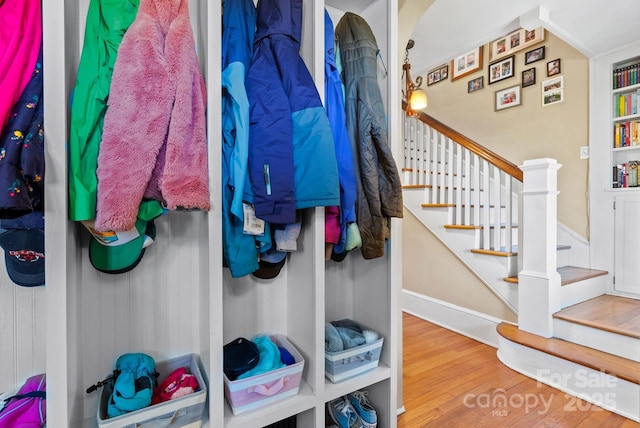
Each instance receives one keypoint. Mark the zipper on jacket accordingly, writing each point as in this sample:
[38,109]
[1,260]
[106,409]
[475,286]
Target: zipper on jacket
[267,178]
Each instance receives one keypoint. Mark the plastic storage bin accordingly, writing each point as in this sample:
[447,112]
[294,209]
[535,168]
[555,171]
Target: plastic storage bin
[185,412]
[258,391]
[351,362]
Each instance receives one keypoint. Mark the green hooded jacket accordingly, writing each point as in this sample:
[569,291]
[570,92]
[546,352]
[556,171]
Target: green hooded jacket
[107,21]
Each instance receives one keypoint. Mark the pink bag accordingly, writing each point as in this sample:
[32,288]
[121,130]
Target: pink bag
[26,409]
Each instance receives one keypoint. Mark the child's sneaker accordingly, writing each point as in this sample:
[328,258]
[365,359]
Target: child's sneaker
[343,413]
[367,413]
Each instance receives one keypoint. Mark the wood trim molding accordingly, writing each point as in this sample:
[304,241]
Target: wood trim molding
[486,154]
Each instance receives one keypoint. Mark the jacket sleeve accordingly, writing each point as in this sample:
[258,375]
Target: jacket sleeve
[135,125]
[185,181]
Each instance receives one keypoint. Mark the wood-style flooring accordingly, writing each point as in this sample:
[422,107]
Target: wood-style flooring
[450,380]
[610,313]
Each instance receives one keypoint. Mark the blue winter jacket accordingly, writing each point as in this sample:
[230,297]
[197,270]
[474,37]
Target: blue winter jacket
[292,162]
[22,152]
[238,28]
[334,104]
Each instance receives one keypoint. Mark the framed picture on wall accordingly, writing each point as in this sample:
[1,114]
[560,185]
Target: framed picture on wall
[475,84]
[438,74]
[528,77]
[552,91]
[466,64]
[514,42]
[507,98]
[534,55]
[553,67]
[501,70]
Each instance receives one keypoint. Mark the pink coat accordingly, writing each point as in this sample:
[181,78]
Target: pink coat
[20,38]
[154,142]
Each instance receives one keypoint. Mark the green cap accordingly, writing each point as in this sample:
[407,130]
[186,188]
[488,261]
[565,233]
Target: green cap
[114,258]
[108,255]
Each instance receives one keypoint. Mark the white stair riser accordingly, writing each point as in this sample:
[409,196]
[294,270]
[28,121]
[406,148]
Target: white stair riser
[614,394]
[577,292]
[612,343]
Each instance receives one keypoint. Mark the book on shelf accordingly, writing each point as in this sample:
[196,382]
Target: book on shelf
[625,175]
[626,104]
[632,172]
[626,134]
[626,76]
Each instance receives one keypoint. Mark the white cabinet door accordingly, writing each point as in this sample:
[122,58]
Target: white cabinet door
[627,244]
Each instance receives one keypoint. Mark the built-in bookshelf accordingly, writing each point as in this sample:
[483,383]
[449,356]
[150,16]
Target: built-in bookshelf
[625,120]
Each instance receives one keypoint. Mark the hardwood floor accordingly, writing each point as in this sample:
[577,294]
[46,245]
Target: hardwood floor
[450,380]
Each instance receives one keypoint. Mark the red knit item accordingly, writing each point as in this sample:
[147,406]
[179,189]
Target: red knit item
[178,384]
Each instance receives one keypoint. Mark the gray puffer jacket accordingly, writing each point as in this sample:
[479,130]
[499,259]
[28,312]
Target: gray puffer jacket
[379,191]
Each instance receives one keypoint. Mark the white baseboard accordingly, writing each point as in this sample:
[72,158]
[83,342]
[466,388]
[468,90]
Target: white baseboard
[470,323]
[401,410]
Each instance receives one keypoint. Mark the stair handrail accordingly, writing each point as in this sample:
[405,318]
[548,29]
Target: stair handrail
[484,153]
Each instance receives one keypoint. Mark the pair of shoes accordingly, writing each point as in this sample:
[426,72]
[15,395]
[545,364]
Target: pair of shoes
[364,409]
[353,411]
[343,413]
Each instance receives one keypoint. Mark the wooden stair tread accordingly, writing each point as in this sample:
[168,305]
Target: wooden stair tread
[470,226]
[416,186]
[597,360]
[614,314]
[569,275]
[437,205]
[494,252]
[511,279]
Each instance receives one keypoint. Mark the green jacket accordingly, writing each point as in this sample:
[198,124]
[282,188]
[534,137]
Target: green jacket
[107,21]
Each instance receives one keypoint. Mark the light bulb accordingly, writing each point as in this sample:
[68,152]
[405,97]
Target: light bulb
[418,99]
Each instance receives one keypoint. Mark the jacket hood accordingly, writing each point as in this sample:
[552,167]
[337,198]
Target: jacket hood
[279,17]
[238,29]
[354,32]
[329,40]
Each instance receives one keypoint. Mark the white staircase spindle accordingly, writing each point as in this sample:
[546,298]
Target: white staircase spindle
[450,173]
[412,151]
[458,182]
[442,161]
[428,163]
[466,186]
[497,204]
[508,214]
[417,138]
[477,190]
[486,209]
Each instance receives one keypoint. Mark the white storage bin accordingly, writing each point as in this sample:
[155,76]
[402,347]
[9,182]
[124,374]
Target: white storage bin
[183,412]
[258,391]
[351,362]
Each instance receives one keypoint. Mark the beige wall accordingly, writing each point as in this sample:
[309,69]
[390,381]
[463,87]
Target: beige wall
[528,131]
[429,268]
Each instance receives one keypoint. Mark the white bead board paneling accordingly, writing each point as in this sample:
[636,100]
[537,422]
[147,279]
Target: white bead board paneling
[22,331]
[154,308]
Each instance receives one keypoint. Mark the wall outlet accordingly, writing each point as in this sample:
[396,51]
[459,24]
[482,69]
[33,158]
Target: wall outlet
[584,152]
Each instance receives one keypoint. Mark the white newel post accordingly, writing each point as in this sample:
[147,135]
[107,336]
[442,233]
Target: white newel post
[538,280]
